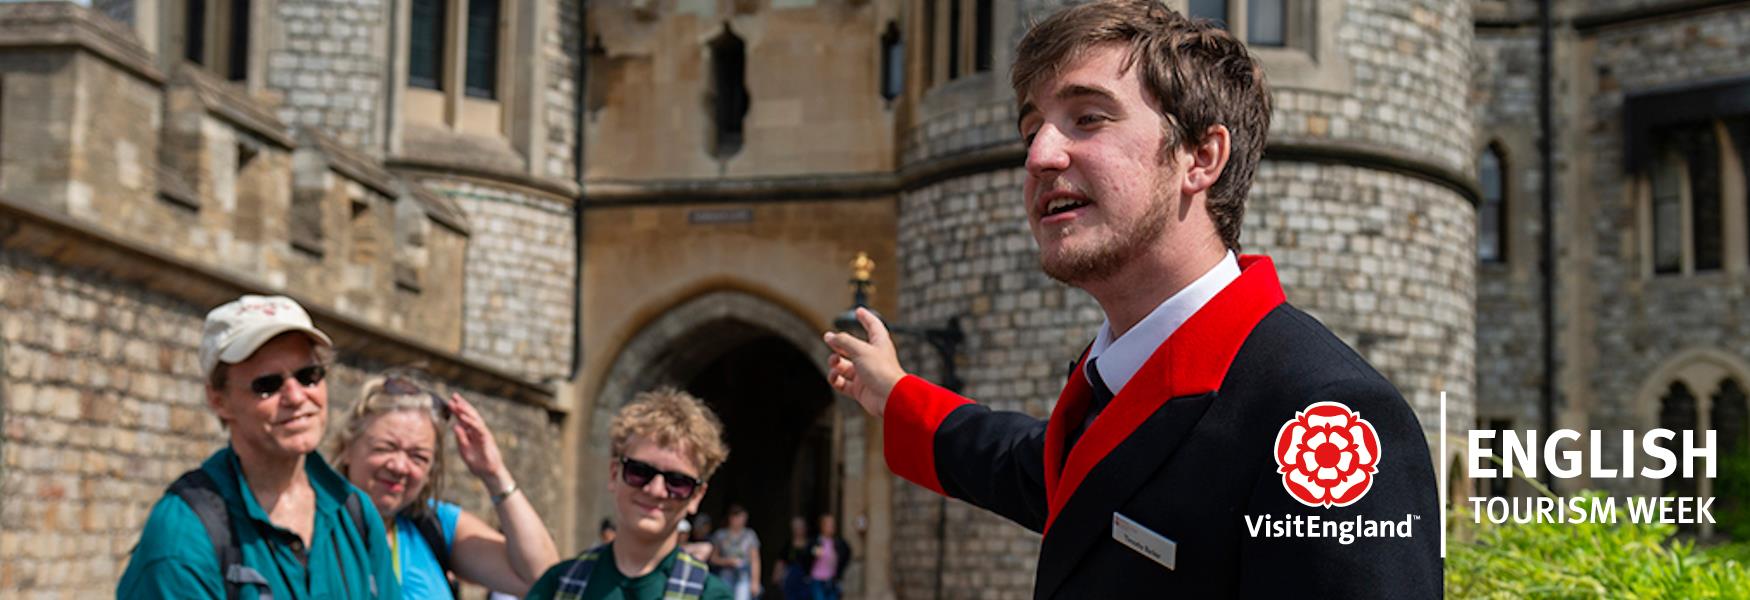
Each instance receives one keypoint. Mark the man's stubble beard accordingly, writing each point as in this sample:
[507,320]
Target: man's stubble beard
[1107,256]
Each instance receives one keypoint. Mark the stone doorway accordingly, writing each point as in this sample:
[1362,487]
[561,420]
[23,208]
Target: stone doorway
[782,463]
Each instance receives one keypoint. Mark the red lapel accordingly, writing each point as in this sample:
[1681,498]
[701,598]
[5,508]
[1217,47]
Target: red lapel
[1192,361]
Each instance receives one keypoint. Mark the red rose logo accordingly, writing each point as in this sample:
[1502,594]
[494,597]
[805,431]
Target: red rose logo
[1327,455]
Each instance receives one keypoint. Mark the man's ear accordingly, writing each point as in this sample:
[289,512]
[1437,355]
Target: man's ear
[216,402]
[1207,160]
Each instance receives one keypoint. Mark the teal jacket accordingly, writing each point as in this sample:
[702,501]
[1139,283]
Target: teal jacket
[175,559]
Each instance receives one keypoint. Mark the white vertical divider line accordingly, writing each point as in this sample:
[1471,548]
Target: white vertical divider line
[1444,480]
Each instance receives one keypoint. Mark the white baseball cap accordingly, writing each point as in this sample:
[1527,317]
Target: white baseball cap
[235,330]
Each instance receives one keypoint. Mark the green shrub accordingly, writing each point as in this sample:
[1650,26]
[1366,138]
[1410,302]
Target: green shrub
[1589,560]
[1730,488]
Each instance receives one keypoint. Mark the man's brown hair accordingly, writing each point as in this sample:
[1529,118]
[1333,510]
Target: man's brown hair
[1199,74]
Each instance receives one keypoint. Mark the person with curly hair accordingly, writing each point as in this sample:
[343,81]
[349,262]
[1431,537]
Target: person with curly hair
[665,446]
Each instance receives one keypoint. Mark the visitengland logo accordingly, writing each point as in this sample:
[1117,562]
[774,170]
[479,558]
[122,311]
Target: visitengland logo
[1327,455]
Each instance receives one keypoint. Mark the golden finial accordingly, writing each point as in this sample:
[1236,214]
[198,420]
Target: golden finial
[862,267]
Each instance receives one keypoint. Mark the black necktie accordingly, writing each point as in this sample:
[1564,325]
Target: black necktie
[1102,396]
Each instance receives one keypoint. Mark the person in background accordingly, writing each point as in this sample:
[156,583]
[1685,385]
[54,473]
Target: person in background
[791,572]
[297,530]
[607,531]
[737,555]
[701,532]
[393,448]
[665,444]
[692,544]
[830,554]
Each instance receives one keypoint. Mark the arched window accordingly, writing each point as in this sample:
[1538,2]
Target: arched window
[892,63]
[729,98]
[1700,148]
[1677,413]
[1729,415]
[1492,213]
[1688,231]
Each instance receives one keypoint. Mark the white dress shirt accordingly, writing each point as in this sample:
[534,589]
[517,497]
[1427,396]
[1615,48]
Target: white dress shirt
[1121,358]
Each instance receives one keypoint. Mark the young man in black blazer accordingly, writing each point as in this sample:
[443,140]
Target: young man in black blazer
[1213,441]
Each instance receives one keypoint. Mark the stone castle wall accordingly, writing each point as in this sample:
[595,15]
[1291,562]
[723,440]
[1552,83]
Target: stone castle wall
[521,286]
[1647,320]
[328,64]
[1509,324]
[102,407]
[132,200]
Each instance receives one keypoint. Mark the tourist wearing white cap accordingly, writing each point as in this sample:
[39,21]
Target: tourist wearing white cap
[265,516]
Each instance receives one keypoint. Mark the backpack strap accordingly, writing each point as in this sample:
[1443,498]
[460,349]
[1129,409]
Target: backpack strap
[687,580]
[356,511]
[432,530]
[575,578]
[198,490]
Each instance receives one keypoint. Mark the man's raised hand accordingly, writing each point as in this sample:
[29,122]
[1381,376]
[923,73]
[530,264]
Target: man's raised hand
[864,370]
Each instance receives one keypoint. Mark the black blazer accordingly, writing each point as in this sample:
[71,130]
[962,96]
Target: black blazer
[1188,449]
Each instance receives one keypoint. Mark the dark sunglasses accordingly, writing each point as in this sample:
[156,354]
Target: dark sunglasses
[638,474]
[268,385]
[397,385]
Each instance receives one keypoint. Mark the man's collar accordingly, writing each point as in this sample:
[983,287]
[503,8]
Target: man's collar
[1120,358]
[329,487]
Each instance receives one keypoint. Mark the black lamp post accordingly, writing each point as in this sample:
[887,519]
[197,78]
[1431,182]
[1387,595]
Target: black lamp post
[946,340]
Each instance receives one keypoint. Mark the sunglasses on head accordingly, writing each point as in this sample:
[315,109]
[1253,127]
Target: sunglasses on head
[270,384]
[397,385]
[638,474]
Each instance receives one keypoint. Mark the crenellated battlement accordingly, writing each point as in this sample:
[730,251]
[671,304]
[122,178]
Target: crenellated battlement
[203,170]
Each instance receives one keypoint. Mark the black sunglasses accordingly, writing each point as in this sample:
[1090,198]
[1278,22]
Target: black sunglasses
[270,384]
[397,385]
[638,474]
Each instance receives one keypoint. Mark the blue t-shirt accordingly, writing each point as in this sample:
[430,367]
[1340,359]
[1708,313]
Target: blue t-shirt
[421,575]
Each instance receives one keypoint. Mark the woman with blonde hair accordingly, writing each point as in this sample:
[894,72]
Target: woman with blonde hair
[392,447]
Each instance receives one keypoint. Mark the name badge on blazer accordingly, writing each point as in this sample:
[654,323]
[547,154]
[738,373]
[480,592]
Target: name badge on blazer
[1146,542]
